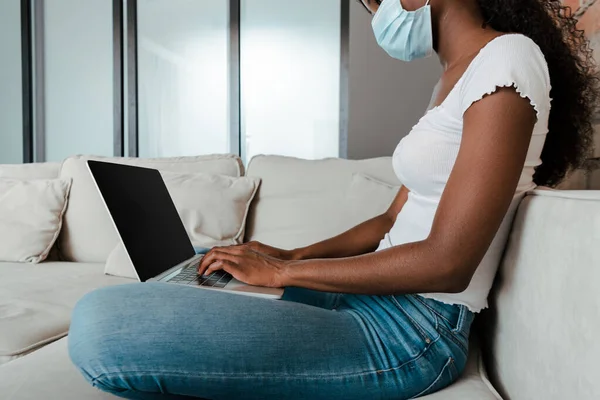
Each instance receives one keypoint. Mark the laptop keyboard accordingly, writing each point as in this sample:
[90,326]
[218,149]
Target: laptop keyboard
[189,276]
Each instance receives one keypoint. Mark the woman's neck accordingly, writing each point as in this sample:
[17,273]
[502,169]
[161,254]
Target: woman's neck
[459,31]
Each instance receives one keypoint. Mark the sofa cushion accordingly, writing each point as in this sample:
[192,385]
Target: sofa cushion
[545,309]
[301,201]
[473,383]
[31,214]
[48,373]
[30,171]
[36,302]
[88,234]
[367,197]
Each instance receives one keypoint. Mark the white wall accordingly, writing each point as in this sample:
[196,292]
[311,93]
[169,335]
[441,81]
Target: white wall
[11,124]
[387,96]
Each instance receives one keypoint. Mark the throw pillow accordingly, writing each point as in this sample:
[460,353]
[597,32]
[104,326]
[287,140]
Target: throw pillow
[119,264]
[88,234]
[213,209]
[31,214]
[368,197]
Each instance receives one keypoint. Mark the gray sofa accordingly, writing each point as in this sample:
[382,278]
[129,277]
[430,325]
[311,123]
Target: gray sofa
[537,339]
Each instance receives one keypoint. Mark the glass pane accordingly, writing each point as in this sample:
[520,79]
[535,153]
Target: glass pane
[78,78]
[183,77]
[11,108]
[291,77]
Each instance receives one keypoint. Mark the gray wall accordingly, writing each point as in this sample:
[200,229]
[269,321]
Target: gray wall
[387,96]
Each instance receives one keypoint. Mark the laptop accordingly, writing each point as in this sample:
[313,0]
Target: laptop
[151,230]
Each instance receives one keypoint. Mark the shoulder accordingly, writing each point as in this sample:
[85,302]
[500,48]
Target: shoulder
[511,60]
[515,51]
[512,42]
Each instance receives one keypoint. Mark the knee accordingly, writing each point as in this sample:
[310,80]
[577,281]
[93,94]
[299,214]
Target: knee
[95,320]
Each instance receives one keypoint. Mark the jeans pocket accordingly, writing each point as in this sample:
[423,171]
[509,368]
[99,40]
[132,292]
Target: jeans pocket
[450,315]
[448,375]
[424,323]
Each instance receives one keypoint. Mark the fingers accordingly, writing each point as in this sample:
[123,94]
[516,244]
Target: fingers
[231,253]
[224,265]
[208,259]
[216,266]
[212,257]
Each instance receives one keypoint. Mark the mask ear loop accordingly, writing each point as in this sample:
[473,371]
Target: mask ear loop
[426,4]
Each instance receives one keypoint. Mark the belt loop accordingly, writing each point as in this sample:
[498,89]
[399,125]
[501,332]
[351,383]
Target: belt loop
[461,318]
[337,301]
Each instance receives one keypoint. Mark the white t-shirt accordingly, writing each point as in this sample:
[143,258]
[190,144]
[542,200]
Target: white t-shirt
[424,159]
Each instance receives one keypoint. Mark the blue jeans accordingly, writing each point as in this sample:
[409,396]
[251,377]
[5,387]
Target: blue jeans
[164,341]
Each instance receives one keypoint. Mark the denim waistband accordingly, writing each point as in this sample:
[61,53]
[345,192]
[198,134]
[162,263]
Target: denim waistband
[457,317]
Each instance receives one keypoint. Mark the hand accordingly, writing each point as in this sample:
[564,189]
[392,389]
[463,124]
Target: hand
[271,251]
[245,265]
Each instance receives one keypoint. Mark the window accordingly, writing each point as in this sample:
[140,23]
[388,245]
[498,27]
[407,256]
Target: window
[290,77]
[161,78]
[183,77]
[77,78]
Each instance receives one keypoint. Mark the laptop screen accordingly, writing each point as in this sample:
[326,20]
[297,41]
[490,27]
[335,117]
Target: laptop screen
[145,216]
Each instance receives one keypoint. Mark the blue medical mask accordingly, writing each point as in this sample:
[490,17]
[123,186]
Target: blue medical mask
[405,35]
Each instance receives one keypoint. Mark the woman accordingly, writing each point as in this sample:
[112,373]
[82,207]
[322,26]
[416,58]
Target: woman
[365,317]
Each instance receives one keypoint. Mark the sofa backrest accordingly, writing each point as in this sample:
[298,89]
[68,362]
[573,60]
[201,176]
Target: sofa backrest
[301,202]
[541,332]
[30,171]
[88,234]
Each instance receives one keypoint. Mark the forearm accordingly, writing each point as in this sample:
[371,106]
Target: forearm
[362,239]
[410,268]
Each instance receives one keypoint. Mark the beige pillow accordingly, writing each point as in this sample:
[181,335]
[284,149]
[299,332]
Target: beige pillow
[368,197]
[301,202]
[30,171]
[119,263]
[88,234]
[212,207]
[31,215]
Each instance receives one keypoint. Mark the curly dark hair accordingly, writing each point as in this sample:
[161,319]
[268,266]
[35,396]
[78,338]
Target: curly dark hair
[573,76]
[573,71]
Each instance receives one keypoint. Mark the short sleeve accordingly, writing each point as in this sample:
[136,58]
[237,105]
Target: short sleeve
[508,61]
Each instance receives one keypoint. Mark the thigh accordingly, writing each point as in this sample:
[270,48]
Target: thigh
[142,339]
